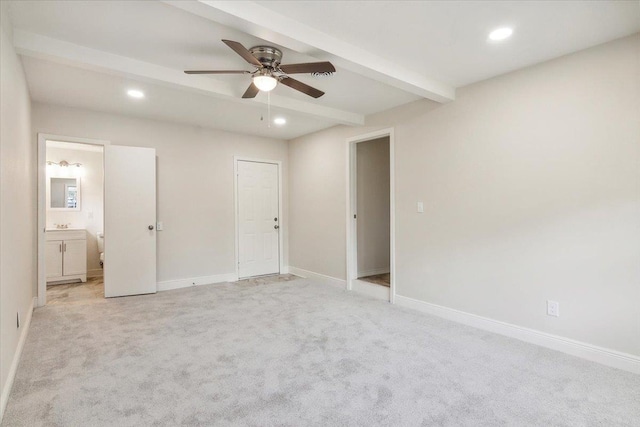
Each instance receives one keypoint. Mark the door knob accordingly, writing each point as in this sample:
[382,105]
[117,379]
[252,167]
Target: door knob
[151,227]
[276,227]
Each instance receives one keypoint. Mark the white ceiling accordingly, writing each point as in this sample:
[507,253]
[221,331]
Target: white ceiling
[447,40]
[387,53]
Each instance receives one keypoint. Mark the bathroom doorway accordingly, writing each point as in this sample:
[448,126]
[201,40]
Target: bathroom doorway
[370,222]
[128,219]
[74,222]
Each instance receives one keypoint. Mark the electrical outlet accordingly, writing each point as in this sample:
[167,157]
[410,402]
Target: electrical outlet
[420,207]
[553,308]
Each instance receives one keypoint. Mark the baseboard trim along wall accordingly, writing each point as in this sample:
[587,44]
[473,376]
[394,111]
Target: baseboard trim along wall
[333,281]
[6,390]
[605,356]
[196,281]
[369,289]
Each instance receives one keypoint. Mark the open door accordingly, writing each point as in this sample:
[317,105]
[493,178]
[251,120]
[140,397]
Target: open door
[129,221]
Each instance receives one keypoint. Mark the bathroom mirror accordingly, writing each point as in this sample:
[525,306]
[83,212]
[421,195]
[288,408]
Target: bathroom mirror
[64,194]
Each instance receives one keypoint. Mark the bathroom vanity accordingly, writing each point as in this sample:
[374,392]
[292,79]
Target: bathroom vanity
[66,255]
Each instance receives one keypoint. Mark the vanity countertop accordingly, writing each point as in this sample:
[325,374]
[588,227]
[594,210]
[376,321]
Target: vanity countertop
[56,234]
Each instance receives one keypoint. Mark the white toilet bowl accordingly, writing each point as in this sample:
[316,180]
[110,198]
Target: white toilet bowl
[100,236]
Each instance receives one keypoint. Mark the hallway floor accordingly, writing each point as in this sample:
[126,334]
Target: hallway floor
[379,279]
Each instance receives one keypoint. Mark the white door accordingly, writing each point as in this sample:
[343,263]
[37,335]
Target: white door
[258,219]
[129,221]
[53,258]
[74,257]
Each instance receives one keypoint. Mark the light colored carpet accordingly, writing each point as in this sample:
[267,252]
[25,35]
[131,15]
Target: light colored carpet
[296,353]
[266,280]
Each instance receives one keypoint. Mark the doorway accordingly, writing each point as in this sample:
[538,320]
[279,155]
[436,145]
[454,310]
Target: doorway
[370,222]
[74,221]
[91,207]
[258,217]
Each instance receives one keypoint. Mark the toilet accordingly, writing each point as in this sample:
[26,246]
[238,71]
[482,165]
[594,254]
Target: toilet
[100,236]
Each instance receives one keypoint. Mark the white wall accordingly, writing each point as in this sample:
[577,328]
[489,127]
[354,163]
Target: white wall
[531,185]
[373,187]
[194,182]
[17,207]
[90,216]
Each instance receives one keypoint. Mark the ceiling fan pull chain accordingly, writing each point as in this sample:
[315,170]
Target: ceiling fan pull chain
[269,109]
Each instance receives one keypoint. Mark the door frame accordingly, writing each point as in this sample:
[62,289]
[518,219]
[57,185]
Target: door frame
[352,203]
[281,218]
[42,201]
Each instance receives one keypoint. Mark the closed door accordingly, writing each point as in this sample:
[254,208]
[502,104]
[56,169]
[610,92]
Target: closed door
[129,221]
[53,258]
[74,255]
[258,219]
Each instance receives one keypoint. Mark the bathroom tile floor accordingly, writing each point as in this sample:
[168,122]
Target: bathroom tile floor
[72,293]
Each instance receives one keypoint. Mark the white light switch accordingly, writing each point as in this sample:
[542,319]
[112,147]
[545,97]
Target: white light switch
[159,226]
[90,215]
[420,207]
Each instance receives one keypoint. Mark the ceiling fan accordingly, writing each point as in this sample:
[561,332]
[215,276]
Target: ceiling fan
[269,71]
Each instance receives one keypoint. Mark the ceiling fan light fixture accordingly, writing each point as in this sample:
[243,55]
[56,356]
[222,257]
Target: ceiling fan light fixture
[265,83]
[135,93]
[500,34]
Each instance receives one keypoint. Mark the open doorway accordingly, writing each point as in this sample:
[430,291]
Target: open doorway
[372,211]
[74,222]
[370,230]
[128,218]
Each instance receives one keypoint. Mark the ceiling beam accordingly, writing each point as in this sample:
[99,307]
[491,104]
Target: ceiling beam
[259,21]
[37,46]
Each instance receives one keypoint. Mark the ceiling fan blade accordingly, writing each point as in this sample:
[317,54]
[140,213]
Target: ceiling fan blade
[242,51]
[302,87]
[251,91]
[217,72]
[308,67]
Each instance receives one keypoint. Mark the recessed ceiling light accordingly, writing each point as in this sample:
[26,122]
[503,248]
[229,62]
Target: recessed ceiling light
[134,93]
[280,121]
[500,34]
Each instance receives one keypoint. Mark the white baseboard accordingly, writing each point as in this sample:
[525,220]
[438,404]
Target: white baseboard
[605,356]
[333,281]
[373,272]
[196,281]
[97,272]
[6,390]
[284,270]
[371,289]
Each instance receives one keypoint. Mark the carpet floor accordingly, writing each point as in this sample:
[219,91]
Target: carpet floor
[296,353]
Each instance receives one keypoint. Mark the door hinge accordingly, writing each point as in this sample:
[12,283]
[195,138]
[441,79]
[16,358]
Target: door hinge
[354,216]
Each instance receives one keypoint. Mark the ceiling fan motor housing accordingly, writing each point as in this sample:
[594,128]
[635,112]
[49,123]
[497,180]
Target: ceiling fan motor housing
[267,55]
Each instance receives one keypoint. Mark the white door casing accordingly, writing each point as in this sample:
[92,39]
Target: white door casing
[258,218]
[129,221]
[351,203]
